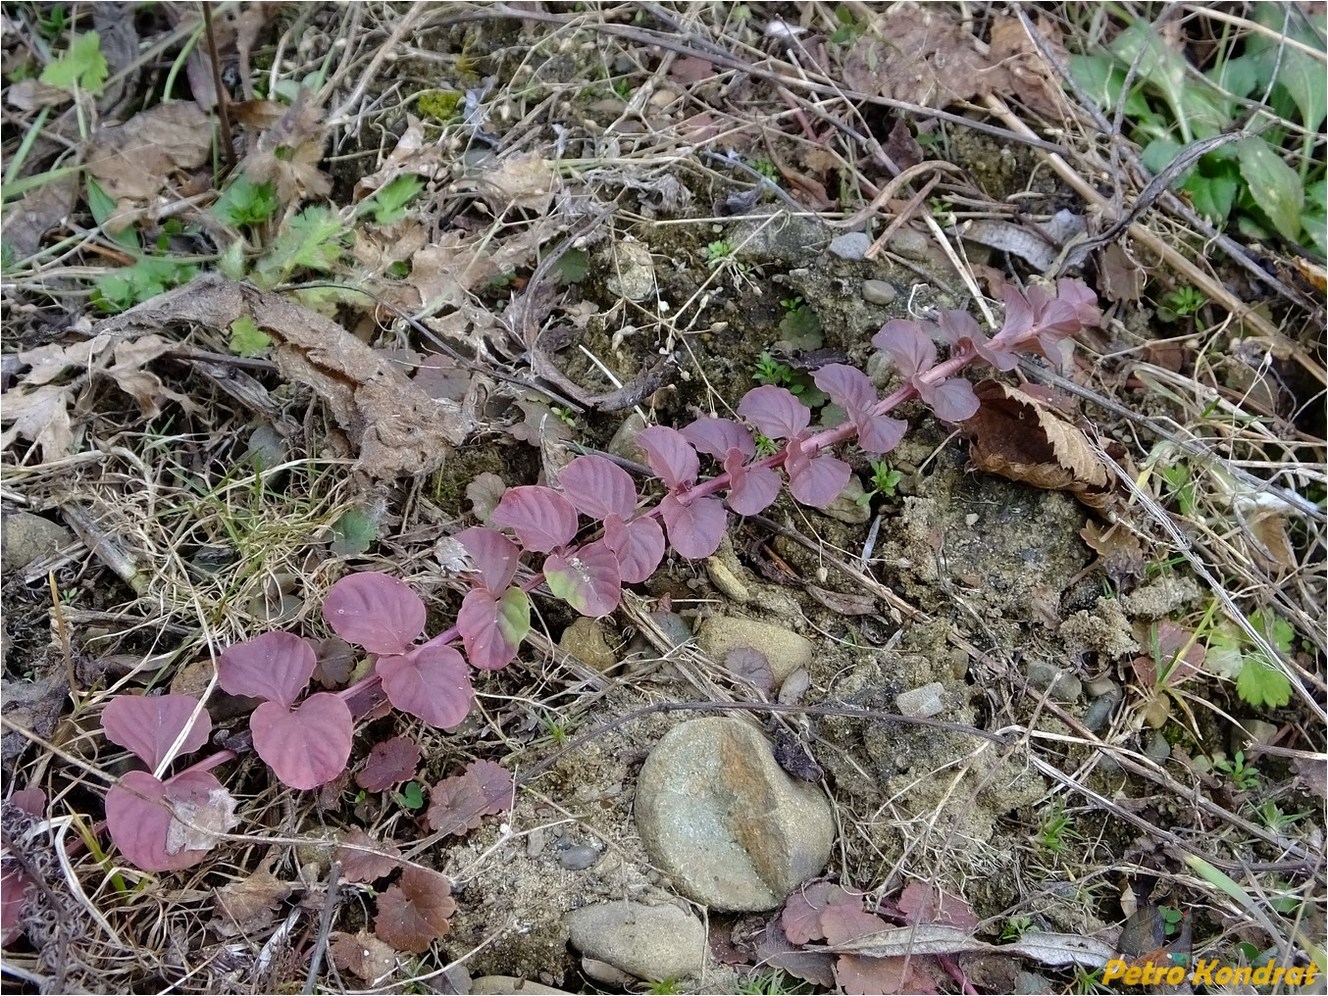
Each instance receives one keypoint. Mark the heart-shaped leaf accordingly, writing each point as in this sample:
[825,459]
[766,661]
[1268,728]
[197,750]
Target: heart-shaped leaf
[542,519]
[492,627]
[379,612]
[878,434]
[697,528]
[670,456]
[587,580]
[909,345]
[716,436]
[149,726]
[495,557]
[952,400]
[141,815]
[274,666]
[751,489]
[818,481]
[775,411]
[639,546]
[599,487]
[432,683]
[848,387]
[305,746]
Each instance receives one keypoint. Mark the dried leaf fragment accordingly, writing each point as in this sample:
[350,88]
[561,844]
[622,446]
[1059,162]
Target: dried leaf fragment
[364,955]
[415,911]
[1018,437]
[364,859]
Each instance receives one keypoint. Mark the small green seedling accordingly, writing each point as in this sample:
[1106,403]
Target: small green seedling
[1057,831]
[1245,777]
[718,251]
[884,480]
[1016,927]
[411,796]
[388,205]
[1180,478]
[1272,816]
[82,67]
[244,202]
[1184,302]
[1259,682]
[848,28]
[247,339]
[770,371]
[791,303]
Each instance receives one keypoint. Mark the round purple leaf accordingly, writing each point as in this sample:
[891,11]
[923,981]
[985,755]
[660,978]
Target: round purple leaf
[670,456]
[148,726]
[493,626]
[599,487]
[542,519]
[639,546]
[716,436]
[379,612]
[819,481]
[494,556]
[274,666]
[432,683]
[697,528]
[140,814]
[775,411]
[305,746]
[751,489]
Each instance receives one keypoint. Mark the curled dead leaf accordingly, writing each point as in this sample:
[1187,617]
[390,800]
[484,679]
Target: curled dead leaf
[1018,437]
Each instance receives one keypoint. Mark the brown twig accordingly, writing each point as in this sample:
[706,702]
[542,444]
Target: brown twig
[223,112]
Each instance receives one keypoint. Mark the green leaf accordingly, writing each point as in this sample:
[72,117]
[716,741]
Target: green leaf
[1158,154]
[1299,73]
[102,206]
[1196,108]
[1273,184]
[411,796]
[802,328]
[1240,76]
[82,67]
[573,266]
[131,285]
[389,203]
[312,240]
[1260,683]
[244,202]
[514,616]
[247,339]
[1213,196]
[353,533]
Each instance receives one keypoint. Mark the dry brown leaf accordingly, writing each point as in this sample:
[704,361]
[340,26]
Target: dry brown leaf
[133,162]
[1032,80]
[523,180]
[442,273]
[1121,552]
[37,212]
[857,975]
[363,858]
[919,55]
[1271,544]
[249,905]
[395,426]
[1018,437]
[363,955]
[415,911]
[410,156]
[1119,277]
[287,153]
[42,416]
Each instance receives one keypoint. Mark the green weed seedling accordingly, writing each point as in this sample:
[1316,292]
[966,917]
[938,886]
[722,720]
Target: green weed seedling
[1183,302]
[1016,927]
[1171,105]
[884,480]
[1056,832]
[1245,777]
[1259,682]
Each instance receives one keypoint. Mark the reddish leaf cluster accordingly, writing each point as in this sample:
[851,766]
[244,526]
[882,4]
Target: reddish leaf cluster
[457,804]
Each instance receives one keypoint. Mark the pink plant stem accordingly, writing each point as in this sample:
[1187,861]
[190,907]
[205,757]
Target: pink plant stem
[830,437]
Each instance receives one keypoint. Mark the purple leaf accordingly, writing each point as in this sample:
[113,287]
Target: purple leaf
[697,528]
[818,481]
[379,612]
[639,546]
[1018,312]
[493,626]
[432,683]
[716,436]
[751,489]
[305,746]
[752,665]
[952,400]
[390,761]
[274,666]
[908,344]
[1081,297]
[542,519]
[670,456]
[494,555]
[848,387]
[599,487]
[587,579]
[141,816]
[775,411]
[879,434]
[148,726]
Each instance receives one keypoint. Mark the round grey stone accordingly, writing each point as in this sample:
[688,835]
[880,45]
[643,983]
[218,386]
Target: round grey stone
[719,815]
[28,537]
[851,245]
[650,942]
[878,292]
[922,702]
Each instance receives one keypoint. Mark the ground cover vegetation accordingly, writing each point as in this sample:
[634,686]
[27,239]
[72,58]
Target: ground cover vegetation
[400,400]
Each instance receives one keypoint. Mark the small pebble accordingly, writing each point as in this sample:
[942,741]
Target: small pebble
[879,292]
[1157,747]
[726,581]
[850,245]
[923,702]
[579,857]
